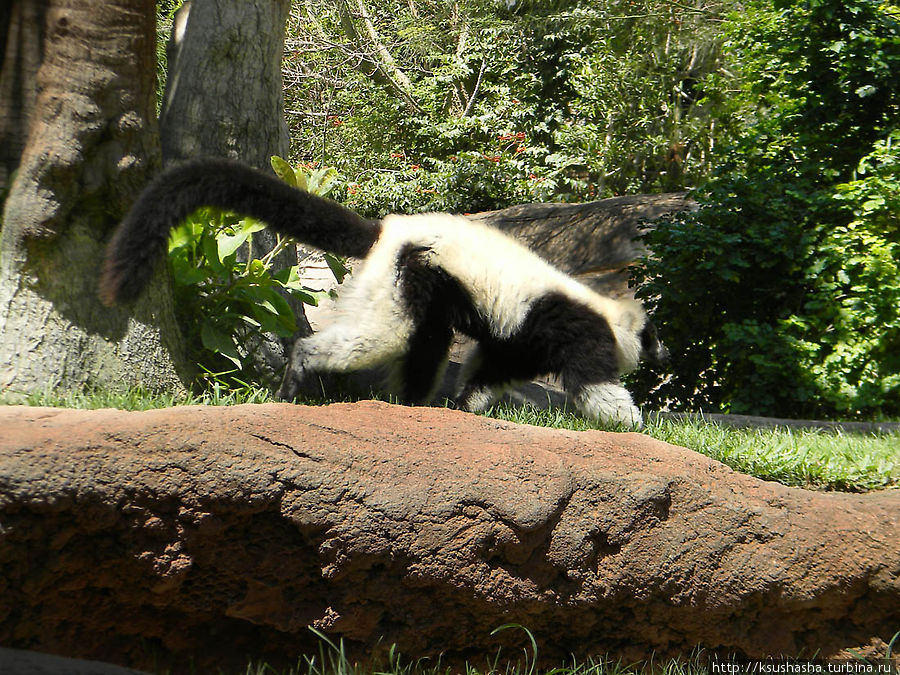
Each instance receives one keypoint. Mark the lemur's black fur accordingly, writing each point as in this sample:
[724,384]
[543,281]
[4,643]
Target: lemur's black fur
[424,277]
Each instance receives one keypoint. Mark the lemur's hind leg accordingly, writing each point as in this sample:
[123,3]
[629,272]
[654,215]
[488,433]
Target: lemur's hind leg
[425,361]
[479,384]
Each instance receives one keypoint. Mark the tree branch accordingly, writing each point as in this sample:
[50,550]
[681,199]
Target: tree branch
[383,67]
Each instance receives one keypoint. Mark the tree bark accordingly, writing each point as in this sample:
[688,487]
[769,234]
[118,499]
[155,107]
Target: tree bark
[22,33]
[224,98]
[223,93]
[91,146]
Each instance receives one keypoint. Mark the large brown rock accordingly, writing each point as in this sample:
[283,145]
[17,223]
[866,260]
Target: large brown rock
[217,532]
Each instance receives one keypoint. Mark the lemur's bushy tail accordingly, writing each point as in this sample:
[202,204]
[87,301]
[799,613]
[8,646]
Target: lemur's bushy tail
[140,241]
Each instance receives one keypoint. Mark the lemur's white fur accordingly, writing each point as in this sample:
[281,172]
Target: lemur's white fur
[503,278]
[609,402]
[423,277]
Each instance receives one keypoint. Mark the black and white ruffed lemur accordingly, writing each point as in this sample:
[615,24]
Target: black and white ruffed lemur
[423,277]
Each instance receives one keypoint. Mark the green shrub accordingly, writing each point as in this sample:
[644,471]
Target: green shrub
[781,295]
[783,302]
[225,304]
[222,302]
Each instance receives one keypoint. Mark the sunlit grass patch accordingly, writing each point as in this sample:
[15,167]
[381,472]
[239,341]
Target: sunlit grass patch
[811,458]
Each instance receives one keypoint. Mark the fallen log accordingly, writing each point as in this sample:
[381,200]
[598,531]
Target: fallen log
[594,241]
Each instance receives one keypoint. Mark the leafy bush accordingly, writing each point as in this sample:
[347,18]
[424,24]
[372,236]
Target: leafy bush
[781,295]
[224,303]
[863,366]
[497,106]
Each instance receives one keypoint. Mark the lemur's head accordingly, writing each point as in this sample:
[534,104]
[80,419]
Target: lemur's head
[651,348]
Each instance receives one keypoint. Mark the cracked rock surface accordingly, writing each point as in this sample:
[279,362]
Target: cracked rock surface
[222,532]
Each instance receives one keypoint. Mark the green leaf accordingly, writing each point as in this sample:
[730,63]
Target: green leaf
[321,181]
[268,322]
[217,341]
[284,170]
[274,312]
[338,267]
[873,204]
[186,275]
[250,225]
[229,243]
[180,236]
[307,295]
[210,247]
[287,275]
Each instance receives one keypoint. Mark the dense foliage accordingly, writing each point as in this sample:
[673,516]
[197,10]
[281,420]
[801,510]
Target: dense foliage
[464,106]
[782,294]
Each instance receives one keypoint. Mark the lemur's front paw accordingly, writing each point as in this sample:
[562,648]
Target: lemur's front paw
[289,387]
[297,381]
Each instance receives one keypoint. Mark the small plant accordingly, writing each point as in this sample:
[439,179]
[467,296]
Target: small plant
[224,300]
[226,303]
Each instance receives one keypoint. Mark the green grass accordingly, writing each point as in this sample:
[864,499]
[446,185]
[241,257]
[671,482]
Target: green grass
[139,399]
[806,458]
[814,459]
[332,659]
[810,458]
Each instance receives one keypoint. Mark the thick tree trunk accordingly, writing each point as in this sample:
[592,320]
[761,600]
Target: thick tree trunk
[223,91]
[21,49]
[91,146]
[224,98]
